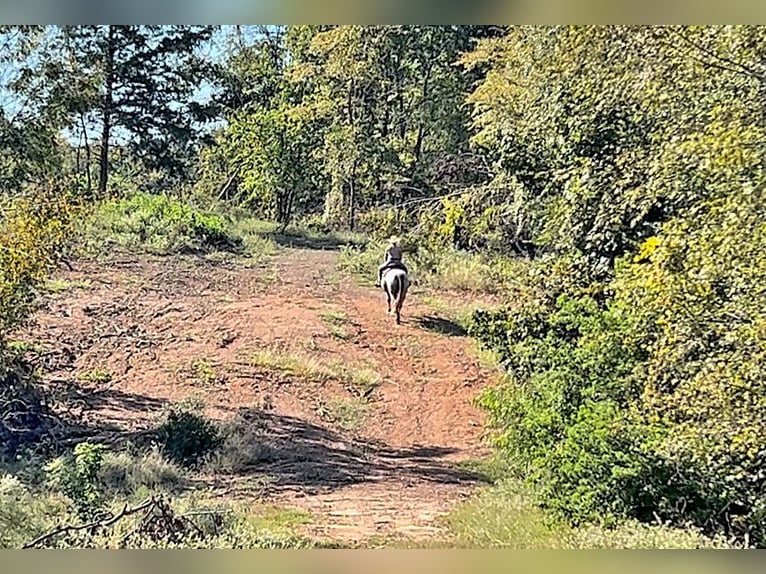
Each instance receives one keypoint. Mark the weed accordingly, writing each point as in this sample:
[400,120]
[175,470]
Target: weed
[98,376]
[348,414]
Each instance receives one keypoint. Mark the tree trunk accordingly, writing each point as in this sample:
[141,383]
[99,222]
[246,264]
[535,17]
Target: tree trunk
[421,127]
[87,153]
[107,111]
[352,198]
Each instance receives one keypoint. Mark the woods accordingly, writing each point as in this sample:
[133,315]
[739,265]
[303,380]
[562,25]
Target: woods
[605,181]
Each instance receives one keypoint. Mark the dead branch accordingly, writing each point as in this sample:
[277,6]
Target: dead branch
[102,522]
[226,188]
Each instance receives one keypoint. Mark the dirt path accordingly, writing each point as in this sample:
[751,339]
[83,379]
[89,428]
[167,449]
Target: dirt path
[165,329]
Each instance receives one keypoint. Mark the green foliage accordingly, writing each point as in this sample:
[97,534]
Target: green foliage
[128,473]
[24,513]
[158,224]
[502,516]
[77,476]
[609,130]
[187,437]
[639,399]
[35,230]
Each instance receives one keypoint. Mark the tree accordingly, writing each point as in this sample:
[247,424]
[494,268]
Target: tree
[134,82]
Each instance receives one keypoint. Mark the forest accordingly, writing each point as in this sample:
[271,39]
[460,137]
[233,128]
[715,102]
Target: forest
[595,194]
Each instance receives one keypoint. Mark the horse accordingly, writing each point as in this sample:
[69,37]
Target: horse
[395,283]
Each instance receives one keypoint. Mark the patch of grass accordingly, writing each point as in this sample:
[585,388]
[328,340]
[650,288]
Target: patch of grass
[334,317]
[338,332]
[279,519]
[488,358]
[129,473]
[445,269]
[298,365]
[97,375]
[336,321]
[20,347]
[502,516]
[156,224]
[459,314]
[348,414]
[243,447]
[257,243]
[359,380]
[310,344]
[61,285]
[206,372]
[492,469]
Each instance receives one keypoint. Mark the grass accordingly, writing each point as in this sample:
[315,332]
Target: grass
[411,344]
[255,237]
[30,507]
[446,269]
[127,473]
[157,224]
[206,372]
[502,516]
[348,414]
[97,375]
[336,321]
[58,285]
[303,366]
[334,317]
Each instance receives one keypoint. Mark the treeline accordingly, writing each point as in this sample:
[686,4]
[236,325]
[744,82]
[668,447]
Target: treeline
[623,164]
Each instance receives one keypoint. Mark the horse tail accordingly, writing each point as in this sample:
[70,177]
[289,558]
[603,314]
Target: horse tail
[396,286]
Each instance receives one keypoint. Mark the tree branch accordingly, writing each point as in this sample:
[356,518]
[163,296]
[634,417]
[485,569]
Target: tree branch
[743,69]
[102,522]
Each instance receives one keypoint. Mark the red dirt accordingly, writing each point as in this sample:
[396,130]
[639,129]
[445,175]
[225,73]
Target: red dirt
[147,320]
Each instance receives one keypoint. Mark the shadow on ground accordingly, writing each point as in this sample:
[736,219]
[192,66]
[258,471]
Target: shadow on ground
[301,240]
[440,325]
[290,452]
[297,454]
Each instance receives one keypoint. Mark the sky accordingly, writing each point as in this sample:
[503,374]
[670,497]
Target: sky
[215,50]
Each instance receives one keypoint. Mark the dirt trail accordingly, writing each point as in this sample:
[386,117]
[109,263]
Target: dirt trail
[168,328]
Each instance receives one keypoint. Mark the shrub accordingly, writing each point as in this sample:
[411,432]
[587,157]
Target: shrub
[158,224]
[77,476]
[642,396]
[128,473]
[187,437]
[35,230]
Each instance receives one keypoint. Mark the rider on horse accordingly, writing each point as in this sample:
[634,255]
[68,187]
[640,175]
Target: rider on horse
[393,259]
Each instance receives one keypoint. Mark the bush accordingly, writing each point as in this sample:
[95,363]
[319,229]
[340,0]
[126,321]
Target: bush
[35,231]
[158,224]
[24,513]
[77,476]
[129,473]
[642,397]
[187,437]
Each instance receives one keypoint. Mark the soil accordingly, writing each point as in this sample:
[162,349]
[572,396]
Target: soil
[167,328]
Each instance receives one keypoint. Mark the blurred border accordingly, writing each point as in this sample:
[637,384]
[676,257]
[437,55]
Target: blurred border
[381,561]
[391,12]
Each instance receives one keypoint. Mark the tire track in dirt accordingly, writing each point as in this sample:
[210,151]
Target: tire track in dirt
[148,320]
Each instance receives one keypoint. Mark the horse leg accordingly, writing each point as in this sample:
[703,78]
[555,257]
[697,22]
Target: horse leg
[400,302]
[388,301]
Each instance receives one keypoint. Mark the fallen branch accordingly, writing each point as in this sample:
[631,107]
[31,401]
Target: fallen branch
[102,522]
[227,187]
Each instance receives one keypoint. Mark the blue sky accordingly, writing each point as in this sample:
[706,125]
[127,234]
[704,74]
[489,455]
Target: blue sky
[215,50]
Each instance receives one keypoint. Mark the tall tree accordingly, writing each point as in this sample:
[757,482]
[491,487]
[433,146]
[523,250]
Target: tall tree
[136,83]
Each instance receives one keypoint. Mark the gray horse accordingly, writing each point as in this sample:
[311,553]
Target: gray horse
[395,283]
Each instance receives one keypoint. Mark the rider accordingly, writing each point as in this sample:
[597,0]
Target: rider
[393,259]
